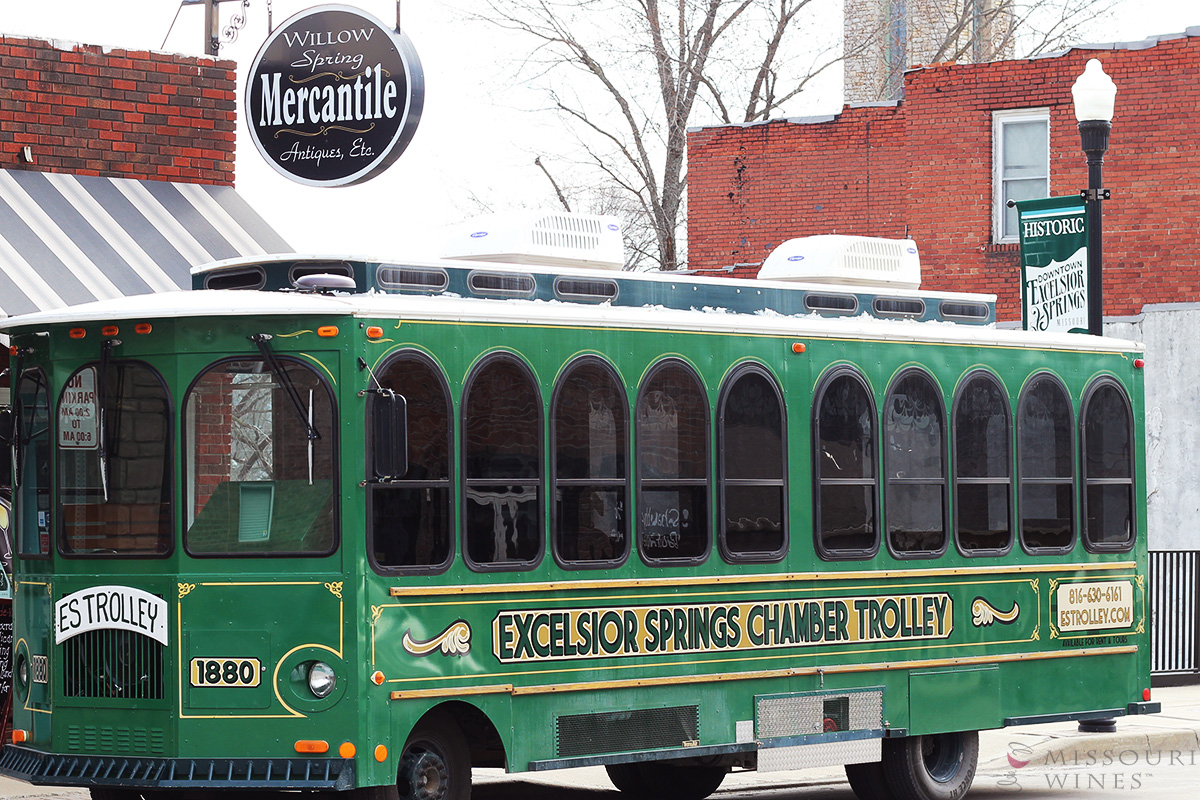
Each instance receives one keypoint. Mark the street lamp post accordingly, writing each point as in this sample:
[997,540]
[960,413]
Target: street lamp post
[1094,94]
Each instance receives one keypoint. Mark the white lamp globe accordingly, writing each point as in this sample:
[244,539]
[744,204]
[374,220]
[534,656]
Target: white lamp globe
[1094,93]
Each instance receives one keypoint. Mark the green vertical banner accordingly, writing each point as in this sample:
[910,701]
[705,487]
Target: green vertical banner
[1054,273]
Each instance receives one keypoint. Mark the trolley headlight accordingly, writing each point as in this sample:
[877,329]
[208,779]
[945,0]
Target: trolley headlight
[321,679]
[23,670]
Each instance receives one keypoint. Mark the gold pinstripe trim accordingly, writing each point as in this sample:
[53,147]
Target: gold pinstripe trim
[710,580]
[678,680]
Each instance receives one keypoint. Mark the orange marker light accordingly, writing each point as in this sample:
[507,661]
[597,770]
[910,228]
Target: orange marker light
[12,349]
[377,678]
[347,750]
[380,753]
[327,330]
[374,332]
[109,330]
[77,333]
[19,736]
[798,347]
[312,746]
[143,327]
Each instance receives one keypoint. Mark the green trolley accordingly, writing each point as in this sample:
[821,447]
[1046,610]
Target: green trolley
[334,524]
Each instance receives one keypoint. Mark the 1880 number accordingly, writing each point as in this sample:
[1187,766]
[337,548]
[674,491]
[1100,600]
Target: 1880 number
[243,672]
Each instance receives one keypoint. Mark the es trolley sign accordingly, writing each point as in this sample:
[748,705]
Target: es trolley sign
[334,96]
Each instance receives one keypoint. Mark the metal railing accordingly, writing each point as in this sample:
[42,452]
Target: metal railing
[1174,612]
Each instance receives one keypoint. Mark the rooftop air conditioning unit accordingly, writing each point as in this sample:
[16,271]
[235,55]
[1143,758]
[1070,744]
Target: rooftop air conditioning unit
[854,260]
[554,239]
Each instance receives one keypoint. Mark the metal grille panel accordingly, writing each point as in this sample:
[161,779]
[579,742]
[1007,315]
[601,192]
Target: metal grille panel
[112,663]
[623,731]
[822,754]
[107,739]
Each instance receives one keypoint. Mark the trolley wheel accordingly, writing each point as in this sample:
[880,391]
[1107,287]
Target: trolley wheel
[436,763]
[939,766]
[657,781]
[869,781]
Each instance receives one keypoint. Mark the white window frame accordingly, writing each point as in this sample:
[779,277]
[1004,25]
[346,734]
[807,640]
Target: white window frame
[999,120]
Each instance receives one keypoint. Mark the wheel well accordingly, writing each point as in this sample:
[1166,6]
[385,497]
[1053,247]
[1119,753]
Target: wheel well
[487,748]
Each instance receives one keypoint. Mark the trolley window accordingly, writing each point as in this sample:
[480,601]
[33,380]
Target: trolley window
[31,478]
[672,457]
[983,466]
[915,465]
[410,518]
[114,461]
[1046,493]
[591,486]
[847,495]
[1108,468]
[502,458]
[753,447]
[261,460]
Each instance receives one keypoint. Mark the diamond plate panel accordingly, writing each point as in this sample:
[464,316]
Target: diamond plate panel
[798,715]
[824,754]
[866,710]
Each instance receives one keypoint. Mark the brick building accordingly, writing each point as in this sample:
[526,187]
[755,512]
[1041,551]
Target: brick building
[116,174]
[938,165]
[116,113]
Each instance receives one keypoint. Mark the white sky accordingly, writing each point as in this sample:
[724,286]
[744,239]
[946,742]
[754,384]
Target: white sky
[474,146]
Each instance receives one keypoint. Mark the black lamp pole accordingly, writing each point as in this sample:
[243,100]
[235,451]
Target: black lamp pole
[1093,135]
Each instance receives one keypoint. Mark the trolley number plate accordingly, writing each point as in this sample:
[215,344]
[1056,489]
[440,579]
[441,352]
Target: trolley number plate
[229,672]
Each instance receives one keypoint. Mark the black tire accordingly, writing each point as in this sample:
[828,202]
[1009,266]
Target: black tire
[650,780]
[869,781]
[436,763]
[939,766]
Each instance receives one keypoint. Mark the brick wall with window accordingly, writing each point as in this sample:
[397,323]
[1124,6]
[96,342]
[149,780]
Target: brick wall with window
[927,167]
[116,113]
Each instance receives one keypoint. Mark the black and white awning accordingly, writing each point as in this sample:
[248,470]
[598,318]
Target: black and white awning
[67,239]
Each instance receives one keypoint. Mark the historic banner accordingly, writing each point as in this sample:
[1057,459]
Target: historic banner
[1054,273]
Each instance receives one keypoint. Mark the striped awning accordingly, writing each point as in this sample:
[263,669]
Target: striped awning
[67,239]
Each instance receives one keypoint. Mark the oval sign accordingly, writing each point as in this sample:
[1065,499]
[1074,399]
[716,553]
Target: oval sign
[334,96]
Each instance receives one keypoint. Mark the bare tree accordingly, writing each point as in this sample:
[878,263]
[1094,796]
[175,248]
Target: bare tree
[646,65]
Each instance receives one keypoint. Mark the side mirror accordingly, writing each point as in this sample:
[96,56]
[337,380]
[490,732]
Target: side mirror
[389,436]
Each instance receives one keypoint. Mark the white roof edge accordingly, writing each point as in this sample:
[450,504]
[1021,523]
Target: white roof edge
[231,303]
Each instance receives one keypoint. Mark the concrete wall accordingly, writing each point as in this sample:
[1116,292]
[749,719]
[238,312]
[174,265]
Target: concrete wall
[1172,420]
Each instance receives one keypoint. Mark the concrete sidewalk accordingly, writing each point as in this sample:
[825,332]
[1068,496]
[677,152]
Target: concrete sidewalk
[1170,737]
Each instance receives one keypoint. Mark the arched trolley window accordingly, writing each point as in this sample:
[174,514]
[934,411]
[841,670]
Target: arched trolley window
[502,465]
[672,465]
[752,442]
[261,458]
[114,467]
[845,469]
[1046,466]
[914,461]
[982,466]
[409,515]
[1109,517]
[590,419]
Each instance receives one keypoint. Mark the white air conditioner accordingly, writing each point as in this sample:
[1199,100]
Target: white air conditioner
[855,260]
[540,238]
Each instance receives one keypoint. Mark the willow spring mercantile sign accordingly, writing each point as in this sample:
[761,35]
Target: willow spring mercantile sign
[334,96]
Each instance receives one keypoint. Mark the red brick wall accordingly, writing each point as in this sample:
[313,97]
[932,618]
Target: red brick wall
[120,113]
[924,168]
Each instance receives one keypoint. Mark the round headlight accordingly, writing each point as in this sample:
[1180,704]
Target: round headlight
[23,670]
[321,679]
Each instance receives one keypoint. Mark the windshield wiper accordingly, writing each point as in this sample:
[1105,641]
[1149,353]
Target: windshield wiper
[285,380]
